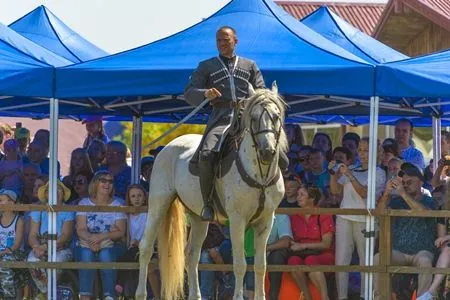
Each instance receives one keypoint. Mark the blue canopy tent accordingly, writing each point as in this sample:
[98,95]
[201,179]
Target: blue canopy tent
[44,28]
[325,22]
[299,59]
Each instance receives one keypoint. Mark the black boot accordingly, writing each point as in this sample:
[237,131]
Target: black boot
[206,168]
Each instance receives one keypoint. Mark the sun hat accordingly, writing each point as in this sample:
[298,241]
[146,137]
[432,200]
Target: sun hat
[43,196]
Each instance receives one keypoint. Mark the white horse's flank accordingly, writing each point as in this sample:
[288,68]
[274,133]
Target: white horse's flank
[172,186]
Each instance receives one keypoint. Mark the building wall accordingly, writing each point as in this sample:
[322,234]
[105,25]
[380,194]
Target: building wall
[433,38]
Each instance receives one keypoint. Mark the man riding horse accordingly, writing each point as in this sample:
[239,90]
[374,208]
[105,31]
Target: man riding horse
[224,80]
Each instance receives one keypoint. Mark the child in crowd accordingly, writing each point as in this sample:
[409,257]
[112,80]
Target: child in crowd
[95,130]
[96,152]
[11,167]
[322,141]
[318,175]
[127,279]
[11,248]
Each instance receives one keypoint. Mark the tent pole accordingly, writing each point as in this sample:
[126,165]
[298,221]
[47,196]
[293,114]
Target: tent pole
[136,150]
[370,221]
[436,141]
[53,195]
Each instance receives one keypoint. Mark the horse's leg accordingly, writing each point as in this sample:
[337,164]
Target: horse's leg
[237,231]
[196,237]
[159,204]
[262,230]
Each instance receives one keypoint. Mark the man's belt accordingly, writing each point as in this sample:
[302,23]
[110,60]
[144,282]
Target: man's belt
[227,104]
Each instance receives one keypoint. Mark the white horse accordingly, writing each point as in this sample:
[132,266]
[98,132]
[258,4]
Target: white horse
[174,188]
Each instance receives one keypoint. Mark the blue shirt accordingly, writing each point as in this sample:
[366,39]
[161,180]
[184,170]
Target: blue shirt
[413,234]
[42,218]
[414,156]
[281,227]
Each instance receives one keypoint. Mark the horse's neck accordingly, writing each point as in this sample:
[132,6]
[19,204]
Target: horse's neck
[248,156]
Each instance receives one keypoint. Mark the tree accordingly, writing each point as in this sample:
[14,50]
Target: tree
[151,131]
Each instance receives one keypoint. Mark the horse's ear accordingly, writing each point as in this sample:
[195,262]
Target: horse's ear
[274,87]
[251,90]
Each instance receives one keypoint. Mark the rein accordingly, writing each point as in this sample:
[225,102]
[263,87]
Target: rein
[267,182]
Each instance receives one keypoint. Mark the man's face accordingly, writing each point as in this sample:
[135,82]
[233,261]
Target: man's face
[341,156]
[29,175]
[316,161]
[403,133]
[350,145]
[114,155]
[411,184]
[445,146]
[36,153]
[226,42]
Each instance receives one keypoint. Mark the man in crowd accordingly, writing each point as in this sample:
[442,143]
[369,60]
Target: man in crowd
[350,140]
[37,154]
[403,136]
[116,163]
[413,237]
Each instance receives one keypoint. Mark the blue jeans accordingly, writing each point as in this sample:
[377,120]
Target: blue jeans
[87,276]
[207,277]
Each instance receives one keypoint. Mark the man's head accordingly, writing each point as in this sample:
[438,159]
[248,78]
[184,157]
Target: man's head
[445,143]
[226,41]
[350,140]
[116,153]
[37,151]
[403,132]
[30,174]
[316,160]
[22,136]
[343,155]
[11,148]
[291,186]
[412,179]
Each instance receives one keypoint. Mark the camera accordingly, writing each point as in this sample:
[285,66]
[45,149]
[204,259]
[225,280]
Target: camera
[336,167]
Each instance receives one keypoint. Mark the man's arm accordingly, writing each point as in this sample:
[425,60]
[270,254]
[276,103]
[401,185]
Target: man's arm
[194,93]
[258,80]
[413,204]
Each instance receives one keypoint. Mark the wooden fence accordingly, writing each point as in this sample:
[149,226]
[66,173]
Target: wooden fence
[384,269]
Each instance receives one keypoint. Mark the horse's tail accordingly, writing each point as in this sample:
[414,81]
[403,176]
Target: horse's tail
[171,244]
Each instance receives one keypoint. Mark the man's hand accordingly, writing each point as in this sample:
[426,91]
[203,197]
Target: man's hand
[212,94]
[441,241]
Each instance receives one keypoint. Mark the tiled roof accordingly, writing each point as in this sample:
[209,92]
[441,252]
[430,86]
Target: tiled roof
[363,16]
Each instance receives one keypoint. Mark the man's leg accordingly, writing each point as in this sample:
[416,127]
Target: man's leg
[423,259]
[397,259]
[206,167]
[277,257]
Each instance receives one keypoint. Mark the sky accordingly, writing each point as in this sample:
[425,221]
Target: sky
[118,25]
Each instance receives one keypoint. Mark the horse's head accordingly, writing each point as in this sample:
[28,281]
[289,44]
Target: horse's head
[263,118]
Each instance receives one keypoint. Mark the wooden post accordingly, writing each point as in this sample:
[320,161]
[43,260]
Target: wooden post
[385,253]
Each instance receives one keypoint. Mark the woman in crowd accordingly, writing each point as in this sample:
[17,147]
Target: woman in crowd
[95,131]
[79,162]
[11,248]
[81,186]
[100,235]
[294,134]
[39,235]
[97,153]
[128,279]
[313,242]
[322,141]
[352,185]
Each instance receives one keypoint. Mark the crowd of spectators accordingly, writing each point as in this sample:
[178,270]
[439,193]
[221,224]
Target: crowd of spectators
[319,175]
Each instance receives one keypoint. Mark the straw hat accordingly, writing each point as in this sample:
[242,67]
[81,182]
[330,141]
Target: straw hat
[42,191]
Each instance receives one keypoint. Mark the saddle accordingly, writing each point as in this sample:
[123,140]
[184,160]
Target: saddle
[226,156]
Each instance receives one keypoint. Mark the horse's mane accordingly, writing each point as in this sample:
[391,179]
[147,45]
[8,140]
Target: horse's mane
[261,97]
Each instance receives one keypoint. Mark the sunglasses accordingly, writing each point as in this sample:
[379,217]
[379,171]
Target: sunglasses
[103,180]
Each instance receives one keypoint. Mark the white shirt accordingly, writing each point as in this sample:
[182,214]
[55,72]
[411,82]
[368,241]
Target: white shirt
[351,199]
[137,226]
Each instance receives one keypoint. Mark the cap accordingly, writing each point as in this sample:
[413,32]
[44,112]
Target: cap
[11,143]
[21,133]
[411,169]
[147,160]
[43,190]
[91,119]
[11,194]
[155,151]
